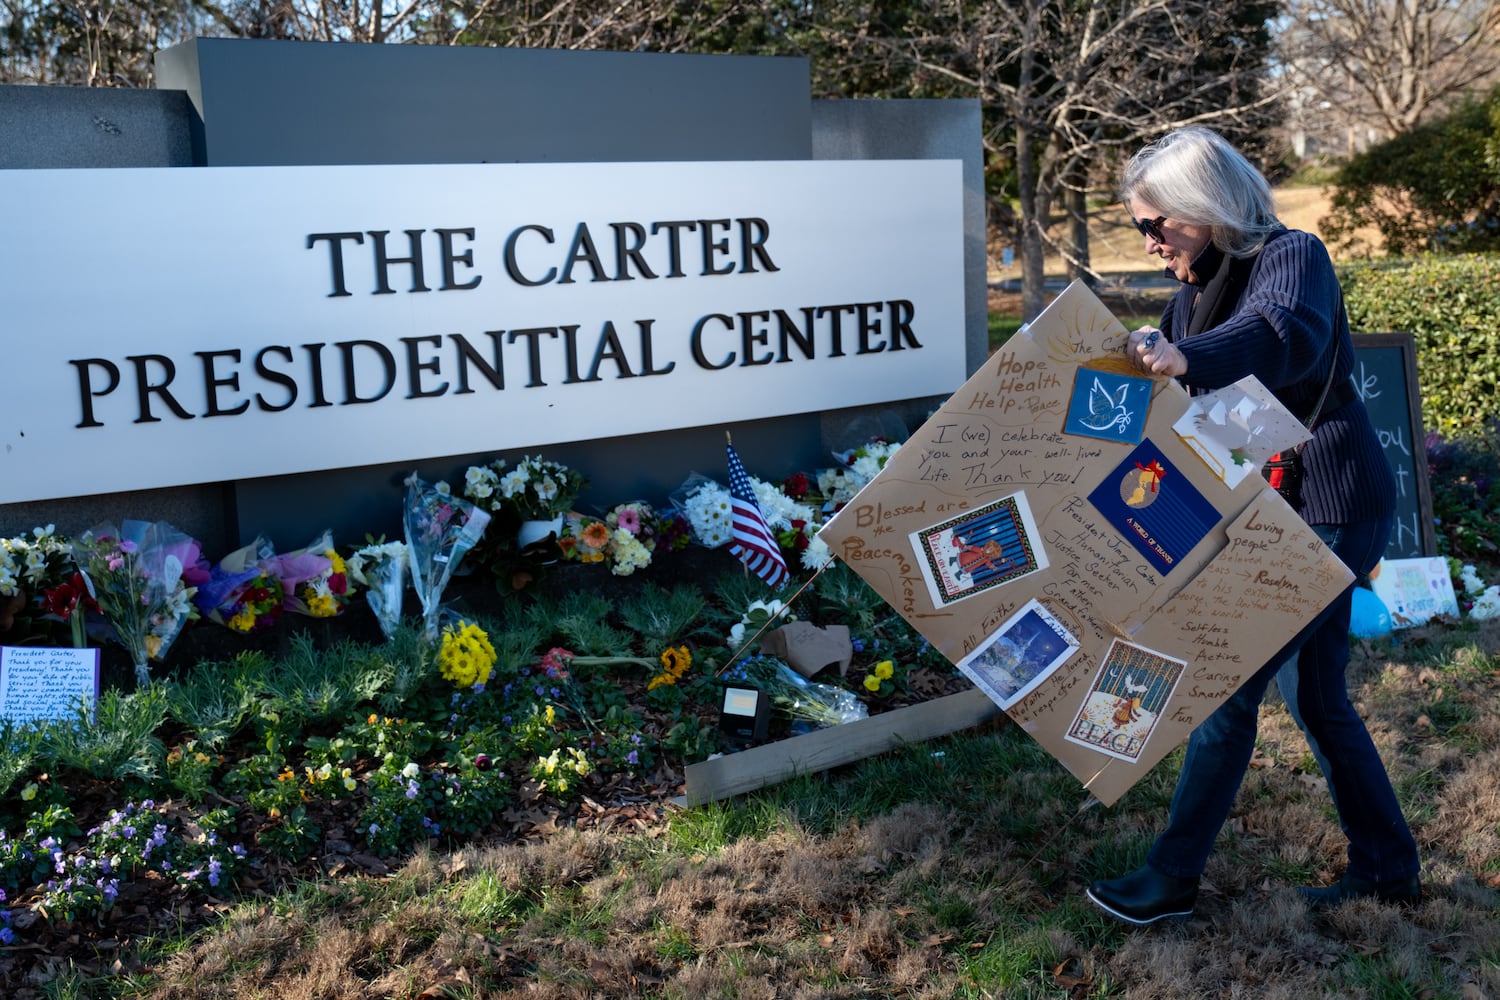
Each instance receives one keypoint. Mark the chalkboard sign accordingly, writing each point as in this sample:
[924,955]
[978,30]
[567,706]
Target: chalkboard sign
[1385,373]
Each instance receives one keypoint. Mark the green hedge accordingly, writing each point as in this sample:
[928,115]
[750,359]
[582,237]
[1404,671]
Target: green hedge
[1451,304]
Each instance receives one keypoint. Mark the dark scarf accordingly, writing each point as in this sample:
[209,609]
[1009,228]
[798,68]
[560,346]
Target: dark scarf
[1224,280]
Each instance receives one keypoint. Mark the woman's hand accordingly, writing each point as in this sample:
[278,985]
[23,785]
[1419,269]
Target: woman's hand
[1149,351]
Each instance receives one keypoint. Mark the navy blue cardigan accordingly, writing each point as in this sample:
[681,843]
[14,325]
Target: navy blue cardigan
[1280,331]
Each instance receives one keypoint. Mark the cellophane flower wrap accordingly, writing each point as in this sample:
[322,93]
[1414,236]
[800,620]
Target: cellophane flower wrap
[135,574]
[708,509]
[379,568]
[315,578]
[240,593]
[795,696]
[859,466]
[440,528]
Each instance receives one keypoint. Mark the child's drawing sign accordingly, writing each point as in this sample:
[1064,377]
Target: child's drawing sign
[1083,553]
[46,682]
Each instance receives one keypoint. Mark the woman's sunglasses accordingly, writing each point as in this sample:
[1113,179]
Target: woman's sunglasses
[1152,228]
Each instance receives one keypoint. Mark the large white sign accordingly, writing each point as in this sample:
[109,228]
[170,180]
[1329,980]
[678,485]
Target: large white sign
[172,326]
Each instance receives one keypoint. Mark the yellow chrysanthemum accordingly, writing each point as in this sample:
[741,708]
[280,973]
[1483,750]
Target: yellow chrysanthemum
[466,656]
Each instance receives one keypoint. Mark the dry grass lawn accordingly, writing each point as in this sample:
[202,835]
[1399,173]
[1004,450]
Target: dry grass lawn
[948,870]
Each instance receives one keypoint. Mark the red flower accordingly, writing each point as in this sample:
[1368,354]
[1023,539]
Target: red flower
[797,485]
[62,599]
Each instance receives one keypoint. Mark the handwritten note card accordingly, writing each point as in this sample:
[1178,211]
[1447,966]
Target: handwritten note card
[46,682]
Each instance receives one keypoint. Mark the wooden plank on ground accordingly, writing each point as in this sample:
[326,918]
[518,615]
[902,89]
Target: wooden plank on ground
[757,767]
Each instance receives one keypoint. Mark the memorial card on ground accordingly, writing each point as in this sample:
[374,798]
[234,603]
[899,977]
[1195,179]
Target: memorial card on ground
[46,682]
[1088,544]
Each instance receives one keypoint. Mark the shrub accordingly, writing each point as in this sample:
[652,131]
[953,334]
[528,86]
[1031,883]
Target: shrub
[1451,305]
[1465,479]
[1435,187]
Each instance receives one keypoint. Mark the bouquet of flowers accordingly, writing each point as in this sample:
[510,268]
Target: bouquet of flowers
[625,538]
[859,466]
[135,573]
[708,509]
[70,601]
[380,568]
[240,593]
[800,541]
[315,578]
[440,528]
[537,489]
[866,461]
[39,565]
[756,619]
[794,696]
[34,564]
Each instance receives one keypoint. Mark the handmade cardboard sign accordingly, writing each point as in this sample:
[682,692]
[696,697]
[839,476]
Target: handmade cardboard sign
[1415,590]
[1089,546]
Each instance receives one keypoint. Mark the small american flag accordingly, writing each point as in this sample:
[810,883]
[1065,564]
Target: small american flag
[753,541]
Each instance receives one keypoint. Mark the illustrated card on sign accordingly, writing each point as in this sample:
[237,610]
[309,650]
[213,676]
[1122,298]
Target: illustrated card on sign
[1155,506]
[1415,590]
[1125,702]
[1021,654]
[1108,405]
[1236,429]
[979,550]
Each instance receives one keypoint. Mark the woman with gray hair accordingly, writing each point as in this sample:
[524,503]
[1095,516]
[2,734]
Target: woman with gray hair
[1259,299]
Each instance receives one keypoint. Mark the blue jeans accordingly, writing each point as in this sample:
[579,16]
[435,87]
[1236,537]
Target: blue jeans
[1310,673]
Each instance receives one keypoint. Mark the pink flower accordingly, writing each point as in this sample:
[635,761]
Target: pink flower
[630,519]
[555,663]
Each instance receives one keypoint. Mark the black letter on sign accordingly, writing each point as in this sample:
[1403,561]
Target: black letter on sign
[86,390]
[445,239]
[387,360]
[383,263]
[211,383]
[336,256]
[272,375]
[144,390]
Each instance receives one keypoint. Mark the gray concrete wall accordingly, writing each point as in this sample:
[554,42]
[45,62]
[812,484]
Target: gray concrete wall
[45,128]
[257,102]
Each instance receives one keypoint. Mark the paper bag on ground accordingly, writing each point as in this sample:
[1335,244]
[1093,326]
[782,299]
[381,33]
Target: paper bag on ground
[1087,545]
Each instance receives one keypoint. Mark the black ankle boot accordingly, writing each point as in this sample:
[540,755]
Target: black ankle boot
[1403,891]
[1145,896]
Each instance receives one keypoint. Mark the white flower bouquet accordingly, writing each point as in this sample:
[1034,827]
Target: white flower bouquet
[537,489]
[380,568]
